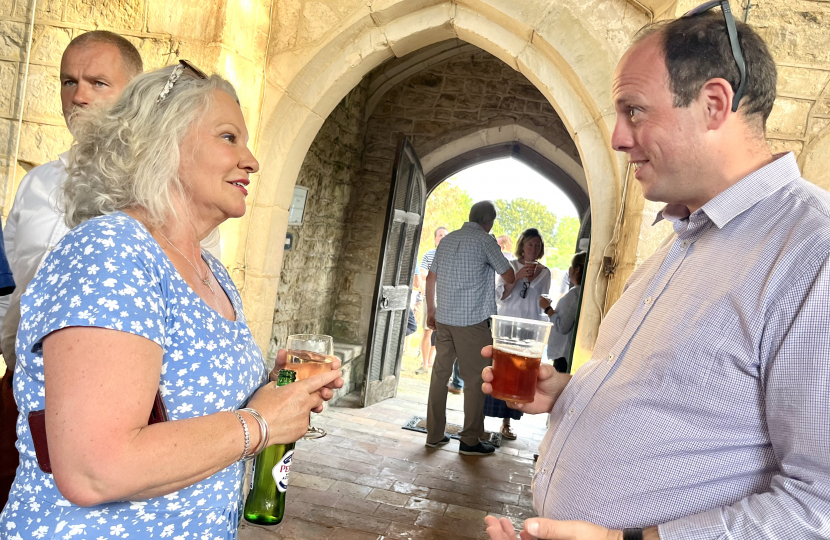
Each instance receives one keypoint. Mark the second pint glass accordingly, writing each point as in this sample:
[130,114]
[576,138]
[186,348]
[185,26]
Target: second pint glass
[518,345]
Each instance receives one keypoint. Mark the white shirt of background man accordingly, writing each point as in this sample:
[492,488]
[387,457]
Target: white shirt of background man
[34,224]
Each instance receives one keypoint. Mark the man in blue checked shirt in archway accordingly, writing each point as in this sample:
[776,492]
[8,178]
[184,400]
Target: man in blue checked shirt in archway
[704,412]
[461,298]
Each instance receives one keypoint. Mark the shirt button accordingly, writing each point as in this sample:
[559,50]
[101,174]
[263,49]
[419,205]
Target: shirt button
[647,301]
[610,357]
[684,244]
[570,412]
[544,470]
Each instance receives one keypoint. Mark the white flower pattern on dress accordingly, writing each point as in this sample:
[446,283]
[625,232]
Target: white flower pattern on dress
[109,272]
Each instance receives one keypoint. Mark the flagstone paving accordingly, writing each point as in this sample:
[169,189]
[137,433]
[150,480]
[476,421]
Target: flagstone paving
[369,479]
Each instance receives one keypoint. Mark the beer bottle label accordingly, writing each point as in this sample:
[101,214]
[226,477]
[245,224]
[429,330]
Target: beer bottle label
[281,470]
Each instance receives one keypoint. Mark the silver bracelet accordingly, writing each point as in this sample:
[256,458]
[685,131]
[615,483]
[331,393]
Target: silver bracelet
[264,430]
[245,455]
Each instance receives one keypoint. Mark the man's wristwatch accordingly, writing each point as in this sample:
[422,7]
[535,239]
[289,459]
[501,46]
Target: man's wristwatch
[632,534]
[551,311]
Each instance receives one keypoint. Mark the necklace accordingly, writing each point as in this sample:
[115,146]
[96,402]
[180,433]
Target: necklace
[206,279]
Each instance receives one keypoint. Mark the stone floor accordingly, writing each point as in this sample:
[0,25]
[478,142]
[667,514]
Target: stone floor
[370,480]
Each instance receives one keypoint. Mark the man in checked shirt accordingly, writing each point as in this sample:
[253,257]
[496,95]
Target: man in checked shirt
[704,412]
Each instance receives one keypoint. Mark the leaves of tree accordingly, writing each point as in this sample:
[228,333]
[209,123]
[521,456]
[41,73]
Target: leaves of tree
[558,233]
[449,206]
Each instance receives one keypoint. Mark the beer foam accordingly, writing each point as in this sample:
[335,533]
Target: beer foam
[529,349]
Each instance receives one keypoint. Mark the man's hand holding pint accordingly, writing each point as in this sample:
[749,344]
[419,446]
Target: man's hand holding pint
[549,386]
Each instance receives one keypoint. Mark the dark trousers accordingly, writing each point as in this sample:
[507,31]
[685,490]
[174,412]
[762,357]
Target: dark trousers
[8,436]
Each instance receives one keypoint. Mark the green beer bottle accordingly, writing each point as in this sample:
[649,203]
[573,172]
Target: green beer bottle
[266,500]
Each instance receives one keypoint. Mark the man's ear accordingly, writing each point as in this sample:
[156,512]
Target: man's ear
[716,97]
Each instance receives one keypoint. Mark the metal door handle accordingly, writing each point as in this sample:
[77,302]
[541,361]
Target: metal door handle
[384,303]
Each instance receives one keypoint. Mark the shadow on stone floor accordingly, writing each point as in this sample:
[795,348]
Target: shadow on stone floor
[370,479]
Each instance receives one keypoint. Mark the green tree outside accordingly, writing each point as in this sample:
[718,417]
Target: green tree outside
[449,206]
[561,250]
[558,233]
[520,214]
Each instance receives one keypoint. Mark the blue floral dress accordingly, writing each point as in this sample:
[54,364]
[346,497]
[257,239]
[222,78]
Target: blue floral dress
[110,273]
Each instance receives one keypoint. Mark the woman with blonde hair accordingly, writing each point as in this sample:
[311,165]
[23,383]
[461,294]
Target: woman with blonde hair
[520,299]
[128,315]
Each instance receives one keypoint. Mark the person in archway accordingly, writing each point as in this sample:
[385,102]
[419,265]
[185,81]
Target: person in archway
[703,410]
[129,307]
[427,339]
[520,299]
[463,272]
[506,245]
[564,316]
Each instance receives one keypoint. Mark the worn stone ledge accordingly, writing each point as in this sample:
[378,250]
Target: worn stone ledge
[347,352]
[351,354]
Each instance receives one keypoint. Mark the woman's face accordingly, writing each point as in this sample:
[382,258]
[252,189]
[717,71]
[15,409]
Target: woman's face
[531,249]
[215,162]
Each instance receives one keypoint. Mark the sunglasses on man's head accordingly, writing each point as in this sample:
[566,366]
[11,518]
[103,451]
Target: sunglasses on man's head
[732,31]
[175,74]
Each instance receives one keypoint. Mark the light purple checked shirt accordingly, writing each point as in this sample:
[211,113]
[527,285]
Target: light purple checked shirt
[705,407]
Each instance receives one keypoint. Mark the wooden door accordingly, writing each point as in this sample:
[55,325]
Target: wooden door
[396,269]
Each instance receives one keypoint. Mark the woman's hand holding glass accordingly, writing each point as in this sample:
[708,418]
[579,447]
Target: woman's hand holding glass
[526,271]
[286,408]
[326,392]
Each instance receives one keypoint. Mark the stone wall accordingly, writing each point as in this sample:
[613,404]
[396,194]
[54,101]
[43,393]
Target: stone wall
[798,35]
[311,272]
[443,103]
[320,49]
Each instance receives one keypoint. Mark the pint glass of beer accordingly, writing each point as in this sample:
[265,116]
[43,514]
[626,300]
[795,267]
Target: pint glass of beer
[518,345]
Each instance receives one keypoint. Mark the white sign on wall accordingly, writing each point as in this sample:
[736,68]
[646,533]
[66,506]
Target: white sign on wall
[297,210]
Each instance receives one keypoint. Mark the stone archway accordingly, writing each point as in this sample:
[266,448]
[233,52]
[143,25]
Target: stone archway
[512,140]
[568,51]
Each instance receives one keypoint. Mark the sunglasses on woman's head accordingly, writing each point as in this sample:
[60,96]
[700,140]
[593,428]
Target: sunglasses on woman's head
[175,74]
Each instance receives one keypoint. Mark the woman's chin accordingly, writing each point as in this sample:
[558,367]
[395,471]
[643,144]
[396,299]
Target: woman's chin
[234,211]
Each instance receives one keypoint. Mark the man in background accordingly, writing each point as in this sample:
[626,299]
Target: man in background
[95,69]
[506,245]
[427,339]
[463,273]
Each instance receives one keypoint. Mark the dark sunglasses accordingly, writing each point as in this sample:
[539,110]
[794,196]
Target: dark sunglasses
[523,294]
[174,76]
[733,41]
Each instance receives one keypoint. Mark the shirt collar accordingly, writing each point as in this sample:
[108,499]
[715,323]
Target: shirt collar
[64,158]
[471,225]
[743,195]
